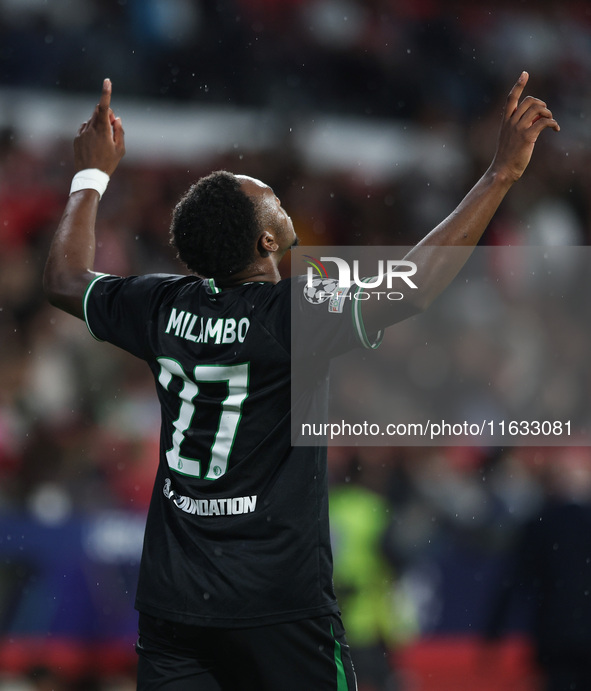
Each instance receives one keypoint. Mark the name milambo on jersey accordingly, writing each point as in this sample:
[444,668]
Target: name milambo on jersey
[191,327]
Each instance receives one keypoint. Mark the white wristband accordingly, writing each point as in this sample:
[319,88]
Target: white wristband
[90,179]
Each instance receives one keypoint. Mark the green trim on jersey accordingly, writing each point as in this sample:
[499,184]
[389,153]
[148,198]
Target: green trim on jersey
[358,324]
[89,287]
[212,286]
[342,684]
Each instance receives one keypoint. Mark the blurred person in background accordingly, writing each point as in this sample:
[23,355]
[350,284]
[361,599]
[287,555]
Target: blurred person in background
[379,618]
[549,575]
[235,588]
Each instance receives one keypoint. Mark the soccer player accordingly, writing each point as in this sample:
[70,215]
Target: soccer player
[235,590]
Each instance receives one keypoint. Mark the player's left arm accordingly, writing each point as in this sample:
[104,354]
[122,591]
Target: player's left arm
[521,125]
[99,145]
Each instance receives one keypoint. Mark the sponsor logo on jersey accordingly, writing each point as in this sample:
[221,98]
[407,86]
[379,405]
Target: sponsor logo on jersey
[224,506]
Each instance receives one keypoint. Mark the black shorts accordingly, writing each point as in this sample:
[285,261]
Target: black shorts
[306,655]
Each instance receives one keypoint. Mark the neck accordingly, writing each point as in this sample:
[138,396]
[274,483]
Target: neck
[261,272]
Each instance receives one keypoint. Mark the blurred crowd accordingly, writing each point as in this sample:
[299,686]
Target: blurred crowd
[78,419]
[403,58]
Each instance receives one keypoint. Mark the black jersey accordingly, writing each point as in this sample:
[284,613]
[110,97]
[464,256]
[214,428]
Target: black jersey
[237,530]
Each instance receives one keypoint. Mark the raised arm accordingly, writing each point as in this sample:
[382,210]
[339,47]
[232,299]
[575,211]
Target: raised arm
[98,146]
[521,125]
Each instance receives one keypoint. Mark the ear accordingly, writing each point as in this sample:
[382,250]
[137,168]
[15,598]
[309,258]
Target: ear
[267,244]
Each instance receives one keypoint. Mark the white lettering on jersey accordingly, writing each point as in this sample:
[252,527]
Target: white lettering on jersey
[199,330]
[231,506]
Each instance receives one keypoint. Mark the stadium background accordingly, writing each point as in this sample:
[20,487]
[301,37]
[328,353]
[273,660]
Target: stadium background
[370,120]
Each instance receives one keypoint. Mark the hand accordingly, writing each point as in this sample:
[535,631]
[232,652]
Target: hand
[520,129]
[100,142]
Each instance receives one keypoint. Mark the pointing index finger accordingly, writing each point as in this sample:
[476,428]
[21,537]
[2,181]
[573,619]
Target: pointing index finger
[515,93]
[105,100]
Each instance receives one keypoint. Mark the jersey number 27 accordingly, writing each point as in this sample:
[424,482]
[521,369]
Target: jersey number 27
[236,377]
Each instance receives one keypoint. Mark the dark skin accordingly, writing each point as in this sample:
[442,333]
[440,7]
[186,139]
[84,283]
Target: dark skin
[100,143]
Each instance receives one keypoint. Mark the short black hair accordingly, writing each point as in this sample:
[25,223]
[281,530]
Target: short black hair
[215,226]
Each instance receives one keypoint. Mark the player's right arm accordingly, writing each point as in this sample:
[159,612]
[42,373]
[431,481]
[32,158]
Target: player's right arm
[100,145]
[522,123]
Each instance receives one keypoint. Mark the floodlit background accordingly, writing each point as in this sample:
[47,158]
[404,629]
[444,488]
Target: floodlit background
[370,120]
